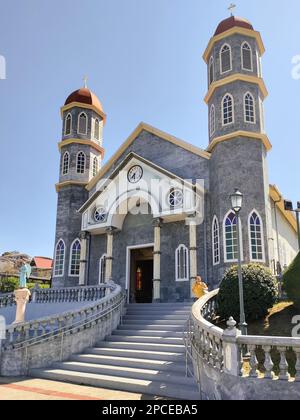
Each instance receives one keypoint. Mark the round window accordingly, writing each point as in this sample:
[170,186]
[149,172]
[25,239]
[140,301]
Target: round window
[100,215]
[176,198]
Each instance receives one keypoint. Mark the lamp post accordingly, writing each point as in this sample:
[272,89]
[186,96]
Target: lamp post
[236,204]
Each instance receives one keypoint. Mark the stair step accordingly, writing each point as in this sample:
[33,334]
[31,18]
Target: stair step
[160,312]
[145,339]
[159,388]
[169,356]
[158,321]
[156,317]
[174,348]
[148,333]
[152,327]
[161,365]
[124,371]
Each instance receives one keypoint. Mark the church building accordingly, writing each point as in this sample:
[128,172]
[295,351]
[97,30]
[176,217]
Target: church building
[158,213]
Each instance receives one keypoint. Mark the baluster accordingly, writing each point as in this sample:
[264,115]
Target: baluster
[214,352]
[253,361]
[269,365]
[283,365]
[297,351]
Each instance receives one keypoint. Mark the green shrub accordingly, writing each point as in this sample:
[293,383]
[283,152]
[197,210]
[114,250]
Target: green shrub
[260,292]
[8,284]
[291,281]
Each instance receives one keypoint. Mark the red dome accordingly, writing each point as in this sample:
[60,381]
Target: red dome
[232,22]
[85,96]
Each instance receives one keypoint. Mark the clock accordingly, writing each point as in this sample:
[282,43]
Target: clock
[135,174]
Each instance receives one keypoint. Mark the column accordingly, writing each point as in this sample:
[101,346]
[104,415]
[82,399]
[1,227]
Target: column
[193,253]
[156,260]
[109,254]
[84,238]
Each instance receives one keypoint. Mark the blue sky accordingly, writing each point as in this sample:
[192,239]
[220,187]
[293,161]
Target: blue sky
[144,61]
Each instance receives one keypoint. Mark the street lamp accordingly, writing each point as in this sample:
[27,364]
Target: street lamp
[236,205]
[288,206]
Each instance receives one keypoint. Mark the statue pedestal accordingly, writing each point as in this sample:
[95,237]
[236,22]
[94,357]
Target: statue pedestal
[21,297]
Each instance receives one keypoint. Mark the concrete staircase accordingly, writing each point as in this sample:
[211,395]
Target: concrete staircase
[144,355]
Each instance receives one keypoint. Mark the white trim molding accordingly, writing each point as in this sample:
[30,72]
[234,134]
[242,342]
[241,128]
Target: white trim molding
[65,125]
[223,113]
[242,55]
[186,266]
[102,261]
[253,105]
[234,260]
[86,124]
[263,260]
[221,59]
[55,258]
[216,221]
[71,255]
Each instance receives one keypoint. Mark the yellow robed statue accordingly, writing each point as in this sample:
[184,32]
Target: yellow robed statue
[199,288]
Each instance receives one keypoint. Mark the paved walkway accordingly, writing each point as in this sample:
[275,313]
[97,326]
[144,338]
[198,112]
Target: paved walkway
[38,389]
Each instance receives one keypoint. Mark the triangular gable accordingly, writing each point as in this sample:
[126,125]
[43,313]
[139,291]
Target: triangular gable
[145,127]
[122,165]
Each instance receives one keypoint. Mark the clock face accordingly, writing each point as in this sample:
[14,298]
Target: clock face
[135,174]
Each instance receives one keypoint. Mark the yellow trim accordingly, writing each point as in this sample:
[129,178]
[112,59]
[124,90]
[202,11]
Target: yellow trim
[60,185]
[84,106]
[236,77]
[255,136]
[276,195]
[79,141]
[236,30]
[143,126]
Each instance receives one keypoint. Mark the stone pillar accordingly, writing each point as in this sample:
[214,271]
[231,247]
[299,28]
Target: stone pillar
[84,237]
[109,254]
[156,260]
[193,253]
[21,297]
[232,354]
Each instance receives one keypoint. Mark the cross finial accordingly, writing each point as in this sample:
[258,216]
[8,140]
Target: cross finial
[85,79]
[231,8]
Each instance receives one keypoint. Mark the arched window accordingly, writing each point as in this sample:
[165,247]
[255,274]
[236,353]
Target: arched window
[230,237]
[211,71]
[82,123]
[212,120]
[97,129]
[249,108]
[59,260]
[80,163]
[247,57]
[102,269]
[182,263]
[216,241]
[95,166]
[256,237]
[68,125]
[228,109]
[225,59]
[75,258]
[66,163]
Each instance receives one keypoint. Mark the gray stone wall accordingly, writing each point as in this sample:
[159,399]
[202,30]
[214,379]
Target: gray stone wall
[68,227]
[235,42]
[75,112]
[237,89]
[238,164]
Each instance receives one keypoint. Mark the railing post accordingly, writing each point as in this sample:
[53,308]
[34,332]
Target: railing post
[232,353]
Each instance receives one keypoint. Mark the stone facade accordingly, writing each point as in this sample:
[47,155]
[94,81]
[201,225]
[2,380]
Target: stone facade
[238,161]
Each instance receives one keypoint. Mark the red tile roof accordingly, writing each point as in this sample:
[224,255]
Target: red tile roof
[42,263]
[232,22]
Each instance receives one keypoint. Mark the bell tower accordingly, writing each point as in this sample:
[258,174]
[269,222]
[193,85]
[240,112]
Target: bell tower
[81,154]
[237,139]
